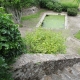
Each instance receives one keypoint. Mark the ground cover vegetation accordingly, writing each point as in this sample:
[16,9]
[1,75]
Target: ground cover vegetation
[45,41]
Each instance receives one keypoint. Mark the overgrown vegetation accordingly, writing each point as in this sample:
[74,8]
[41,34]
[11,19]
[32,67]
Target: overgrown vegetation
[45,41]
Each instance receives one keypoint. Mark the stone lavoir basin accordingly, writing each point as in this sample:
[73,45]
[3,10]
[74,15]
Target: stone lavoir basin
[53,21]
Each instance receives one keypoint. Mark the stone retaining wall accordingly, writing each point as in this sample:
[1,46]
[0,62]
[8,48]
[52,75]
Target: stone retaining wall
[34,67]
[29,11]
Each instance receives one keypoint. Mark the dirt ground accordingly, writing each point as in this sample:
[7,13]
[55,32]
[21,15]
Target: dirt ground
[73,45]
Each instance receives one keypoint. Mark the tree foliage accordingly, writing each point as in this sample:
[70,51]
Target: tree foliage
[16,6]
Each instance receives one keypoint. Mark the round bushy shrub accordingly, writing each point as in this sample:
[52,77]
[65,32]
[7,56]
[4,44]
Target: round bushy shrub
[57,7]
[72,11]
[11,43]
[49,5]
[45,41]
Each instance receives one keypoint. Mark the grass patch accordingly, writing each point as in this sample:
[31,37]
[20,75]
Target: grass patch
[29,17]
[54,21]
[77,35]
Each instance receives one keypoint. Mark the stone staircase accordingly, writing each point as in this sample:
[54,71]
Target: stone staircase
[68,73]
[47,67]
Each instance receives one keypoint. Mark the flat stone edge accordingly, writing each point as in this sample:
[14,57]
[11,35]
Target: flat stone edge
[42,58]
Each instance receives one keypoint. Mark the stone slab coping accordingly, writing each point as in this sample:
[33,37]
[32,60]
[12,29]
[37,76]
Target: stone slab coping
[49,13]
[36,58]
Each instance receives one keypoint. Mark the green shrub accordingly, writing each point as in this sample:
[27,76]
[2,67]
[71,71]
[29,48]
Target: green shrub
[72,11]
[44,41]
[11,44]
[49,5]
[57,7]
[4,73]
[65,6]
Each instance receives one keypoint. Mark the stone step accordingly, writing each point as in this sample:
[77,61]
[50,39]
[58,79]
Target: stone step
[74,71]
[52,77]
[56,77]
[71,73]
[77,66]
[66,77]
[68,72]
